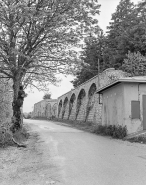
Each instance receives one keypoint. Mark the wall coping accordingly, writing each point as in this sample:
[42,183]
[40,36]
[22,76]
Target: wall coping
[106,70]
[46,100]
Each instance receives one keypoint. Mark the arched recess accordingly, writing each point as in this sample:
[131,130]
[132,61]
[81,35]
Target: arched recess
[64,106]
[71,103]
[80,99]
[54,110]
[48,113]
[59,107]
[91,100]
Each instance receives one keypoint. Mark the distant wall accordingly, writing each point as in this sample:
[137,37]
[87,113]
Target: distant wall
[82,103]
[45,109]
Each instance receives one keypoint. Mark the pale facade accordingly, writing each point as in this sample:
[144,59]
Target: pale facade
[124,103]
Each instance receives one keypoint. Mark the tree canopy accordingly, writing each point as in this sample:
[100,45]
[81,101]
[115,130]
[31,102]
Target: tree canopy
[124,41]
[92,59]
[36,37]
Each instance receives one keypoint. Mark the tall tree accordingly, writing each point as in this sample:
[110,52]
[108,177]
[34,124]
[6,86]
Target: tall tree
[36,37]
[135,64]
[92,59]
[118,40]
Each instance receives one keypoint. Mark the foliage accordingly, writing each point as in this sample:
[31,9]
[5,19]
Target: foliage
[116,131]
[79,103]
[59,107]
[138,139]
[7,139]
[36,37]
[71,104]
[70,108]
[88,109]
[135,64]
[92,59]
[64,107]
[63,112]
[47,96]
[126,33]
[81,95]
[118,40]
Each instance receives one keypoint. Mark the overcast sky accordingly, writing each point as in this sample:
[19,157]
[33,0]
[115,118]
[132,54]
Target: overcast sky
[107,8]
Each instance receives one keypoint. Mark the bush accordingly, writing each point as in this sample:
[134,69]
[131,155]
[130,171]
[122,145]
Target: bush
[116,131]
[138,139]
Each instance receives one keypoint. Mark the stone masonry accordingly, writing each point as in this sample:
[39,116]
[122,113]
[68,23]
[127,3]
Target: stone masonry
[45,109]
[83,103]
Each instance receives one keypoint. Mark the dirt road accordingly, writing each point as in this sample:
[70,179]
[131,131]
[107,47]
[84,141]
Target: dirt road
[61,155]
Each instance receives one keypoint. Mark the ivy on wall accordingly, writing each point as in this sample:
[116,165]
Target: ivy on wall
[59,107]
[54,109]
[71,103]
[64,106]
[81,96]
[90,103]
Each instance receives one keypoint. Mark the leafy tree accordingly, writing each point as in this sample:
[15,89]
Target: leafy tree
[47,96]
[92,59]
[135,64]
[119,38]
[36,37]
[126,32]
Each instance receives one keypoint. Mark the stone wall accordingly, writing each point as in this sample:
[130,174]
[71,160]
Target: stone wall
[6,96]
[45,109]
[83,103]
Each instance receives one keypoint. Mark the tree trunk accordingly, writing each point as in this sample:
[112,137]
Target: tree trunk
[16,105]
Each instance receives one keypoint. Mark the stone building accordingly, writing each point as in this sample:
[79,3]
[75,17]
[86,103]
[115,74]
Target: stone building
[83,103]
[45,109]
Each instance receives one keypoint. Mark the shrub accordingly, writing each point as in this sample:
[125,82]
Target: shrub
[138,139]
[116,131]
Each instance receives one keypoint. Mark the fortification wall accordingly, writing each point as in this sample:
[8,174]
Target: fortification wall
[82,103]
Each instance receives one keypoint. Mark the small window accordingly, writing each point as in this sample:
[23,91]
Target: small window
[135,109]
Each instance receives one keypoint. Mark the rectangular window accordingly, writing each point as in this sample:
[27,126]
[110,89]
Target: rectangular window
[135,109]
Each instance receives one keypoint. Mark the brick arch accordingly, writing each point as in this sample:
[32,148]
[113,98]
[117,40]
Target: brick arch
[71,104]
[59,107]
[54,110]
[64,106]
[80,102]
[91,101]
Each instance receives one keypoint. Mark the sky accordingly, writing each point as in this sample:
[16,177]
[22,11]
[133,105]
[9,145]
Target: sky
[107,8]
